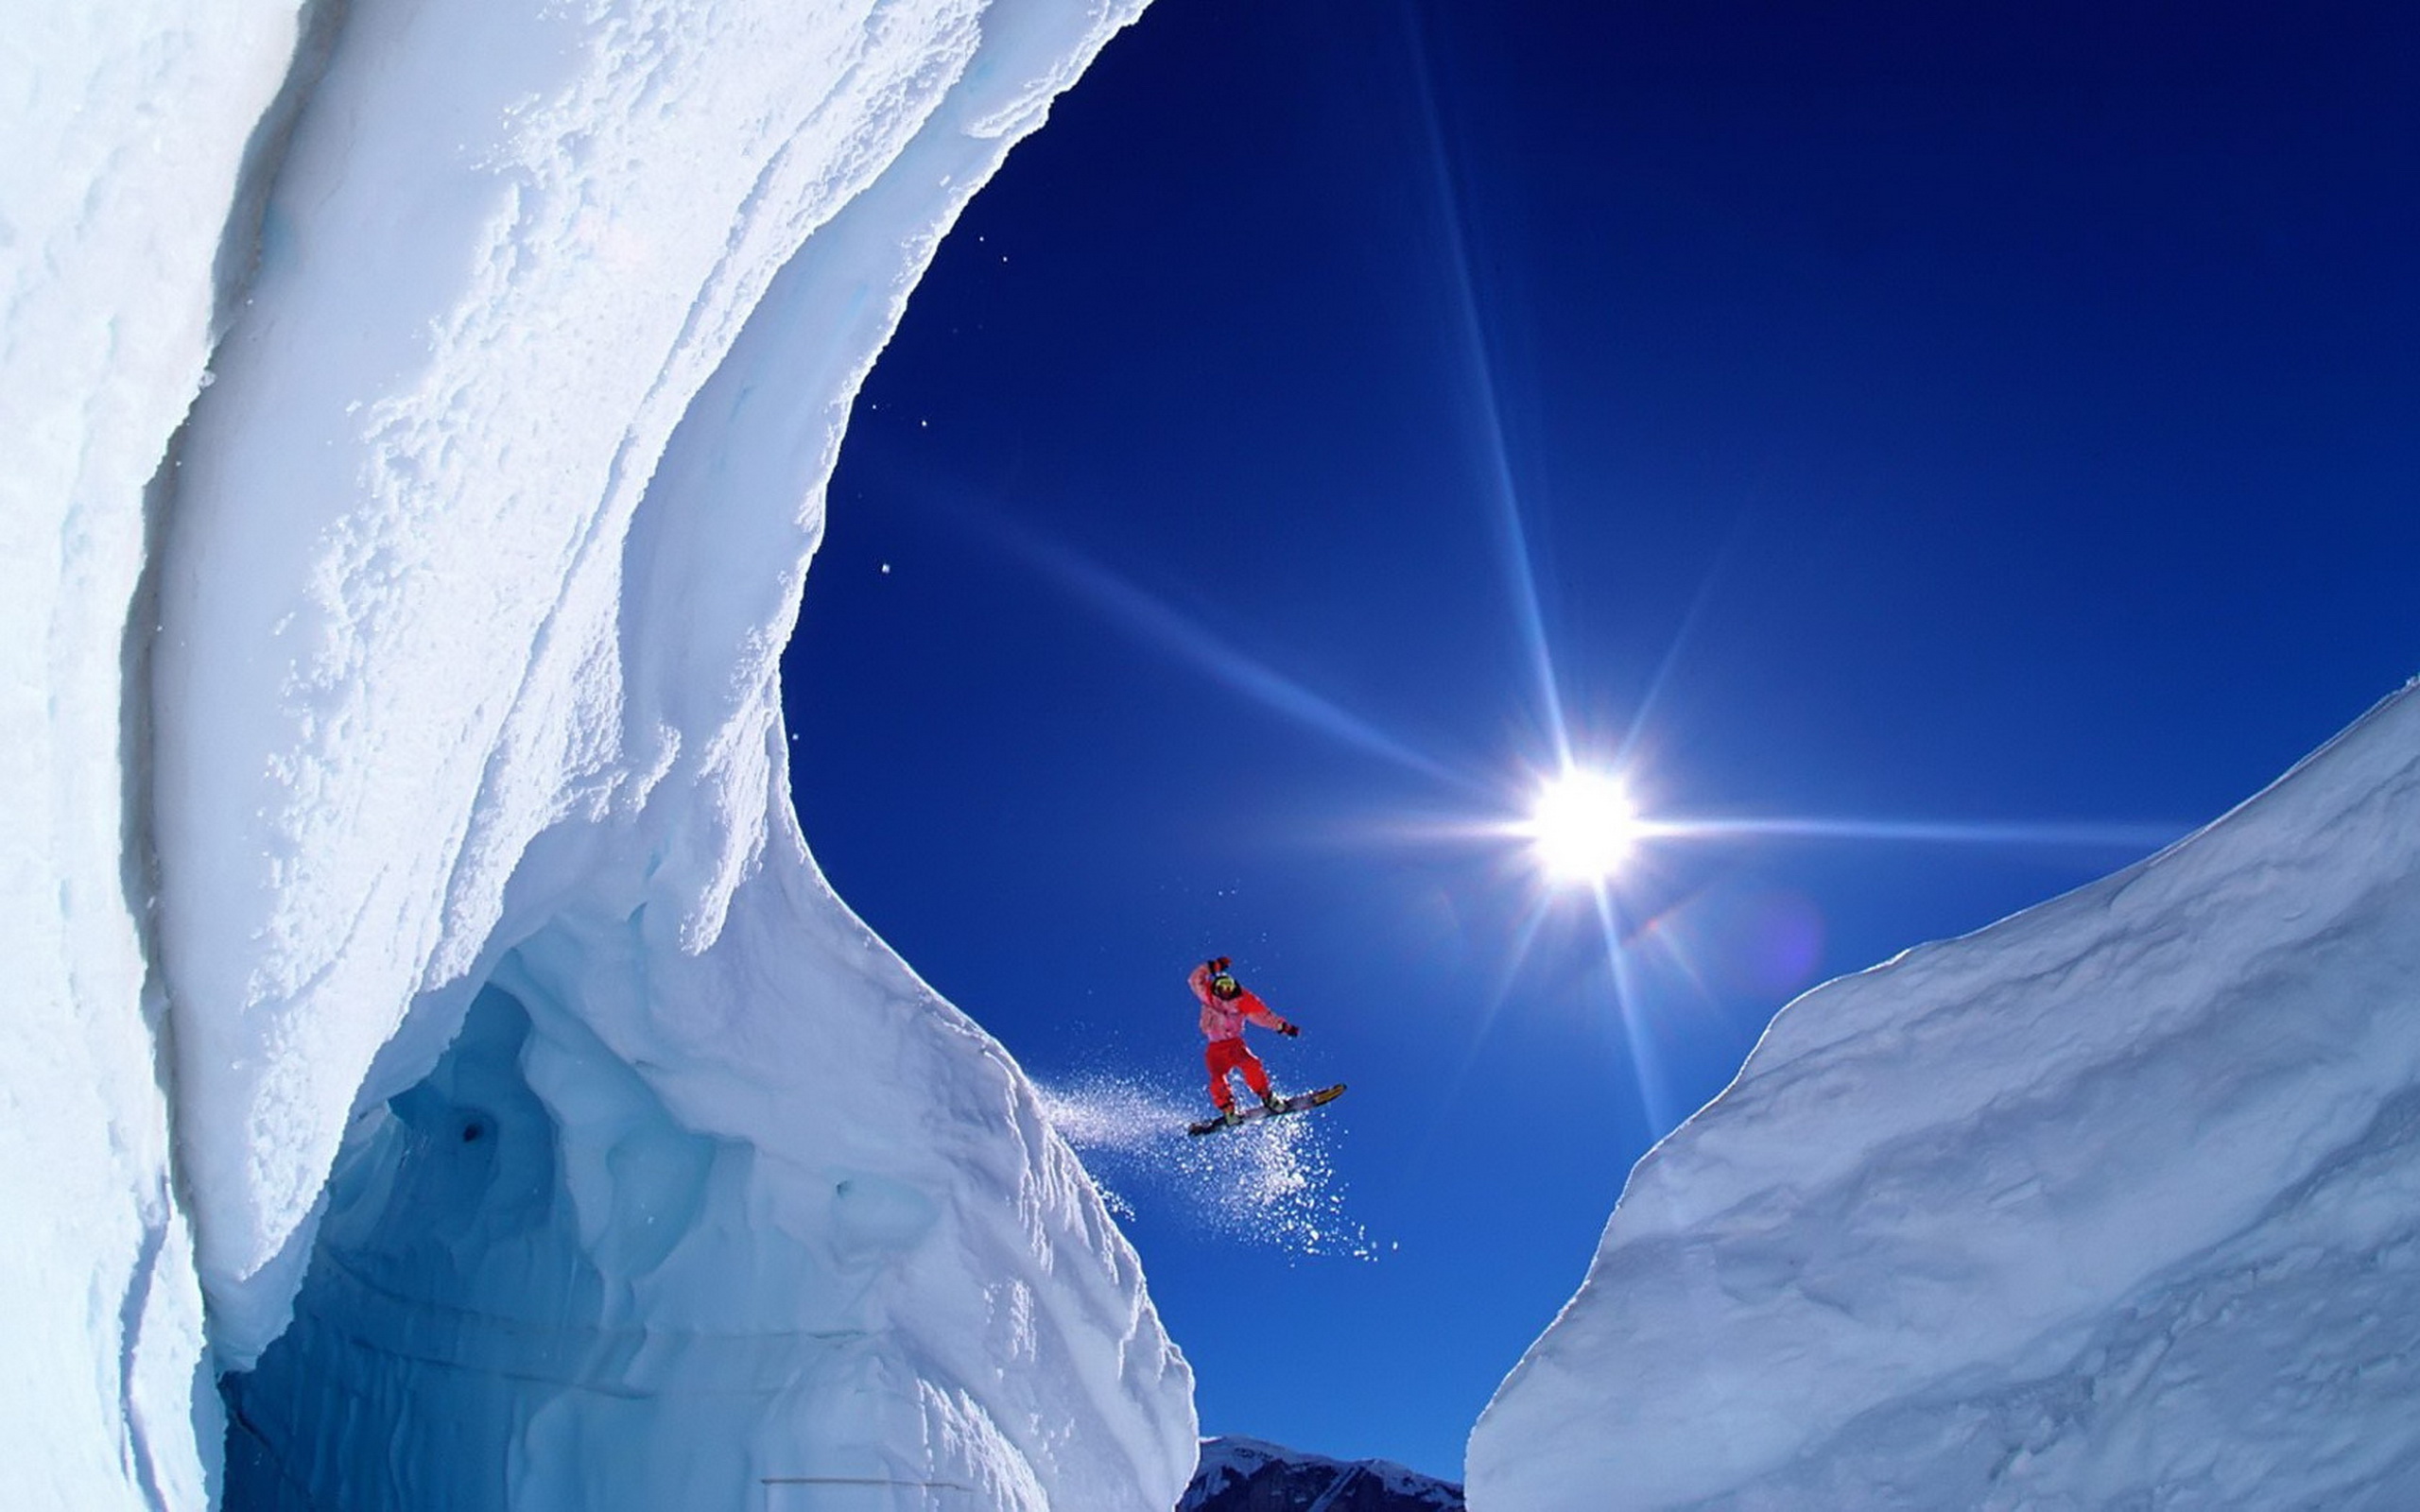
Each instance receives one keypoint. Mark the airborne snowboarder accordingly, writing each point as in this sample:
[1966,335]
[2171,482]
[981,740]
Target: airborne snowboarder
[1227,1006]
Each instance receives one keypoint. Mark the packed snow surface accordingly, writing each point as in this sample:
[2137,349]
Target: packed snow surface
[2115,1203]
[421,411]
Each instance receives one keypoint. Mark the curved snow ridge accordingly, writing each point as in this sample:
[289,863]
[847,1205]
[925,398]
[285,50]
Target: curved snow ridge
[476,318]
[486,541]
[454,659]
[664,1229]
[406,626]
[2109,1200]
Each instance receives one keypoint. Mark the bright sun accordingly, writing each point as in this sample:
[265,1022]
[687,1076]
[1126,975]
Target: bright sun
[1582,827]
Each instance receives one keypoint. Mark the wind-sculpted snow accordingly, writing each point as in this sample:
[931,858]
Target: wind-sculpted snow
[2115,1203]
[716,1229]
[125,128]
[433,583]
[434,680]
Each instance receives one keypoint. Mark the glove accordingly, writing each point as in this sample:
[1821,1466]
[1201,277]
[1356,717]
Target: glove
[1216,963]
[1290,1030]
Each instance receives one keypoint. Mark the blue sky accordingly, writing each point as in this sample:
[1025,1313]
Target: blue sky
[1987,430]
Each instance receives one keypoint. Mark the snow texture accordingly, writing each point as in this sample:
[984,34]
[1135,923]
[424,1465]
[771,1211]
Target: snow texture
[1239,1474]
[422,413]
[127,127]
[2114,1204]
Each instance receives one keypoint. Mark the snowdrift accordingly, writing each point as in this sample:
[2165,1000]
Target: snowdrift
[422,948]
[2115,1203]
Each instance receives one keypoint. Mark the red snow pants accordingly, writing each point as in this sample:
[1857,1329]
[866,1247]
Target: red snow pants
[1226,1056]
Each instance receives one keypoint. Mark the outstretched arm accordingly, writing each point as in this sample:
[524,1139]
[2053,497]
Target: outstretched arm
[1260,1013]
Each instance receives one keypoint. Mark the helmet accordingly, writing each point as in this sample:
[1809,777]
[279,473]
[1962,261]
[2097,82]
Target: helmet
[1224,984]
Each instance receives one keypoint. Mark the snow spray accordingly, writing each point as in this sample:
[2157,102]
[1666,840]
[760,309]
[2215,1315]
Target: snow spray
[1270,1182]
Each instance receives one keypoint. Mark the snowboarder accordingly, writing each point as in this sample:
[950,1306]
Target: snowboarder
[1226,1008]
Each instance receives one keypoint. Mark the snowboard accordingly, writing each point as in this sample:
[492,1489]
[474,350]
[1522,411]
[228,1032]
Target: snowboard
[1249,1111]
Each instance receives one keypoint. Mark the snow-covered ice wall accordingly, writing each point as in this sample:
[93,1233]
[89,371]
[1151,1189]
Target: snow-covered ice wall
[125,128]
[431,690]
[2115,1203]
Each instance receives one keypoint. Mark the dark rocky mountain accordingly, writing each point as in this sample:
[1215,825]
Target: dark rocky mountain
[1247,1475]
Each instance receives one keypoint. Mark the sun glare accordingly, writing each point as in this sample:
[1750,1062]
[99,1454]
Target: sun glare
[1584,826]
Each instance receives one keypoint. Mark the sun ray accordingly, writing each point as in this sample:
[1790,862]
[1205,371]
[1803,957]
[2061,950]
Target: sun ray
[1524,940]
[2080,835]
[1646,1064]
[1154,621]
[1659,932]
[1690,622]
[1197,645]
[1495,461]
[1484,1023]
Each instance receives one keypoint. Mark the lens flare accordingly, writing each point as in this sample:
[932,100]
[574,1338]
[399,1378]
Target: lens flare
[1582,827]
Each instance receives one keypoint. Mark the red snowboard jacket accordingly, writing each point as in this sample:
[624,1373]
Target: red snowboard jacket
[1226,1017]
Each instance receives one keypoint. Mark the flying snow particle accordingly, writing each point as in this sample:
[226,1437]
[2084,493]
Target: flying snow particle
[1272,1181]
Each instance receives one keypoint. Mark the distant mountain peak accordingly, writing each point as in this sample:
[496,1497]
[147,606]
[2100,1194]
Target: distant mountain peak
[1239,1474]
